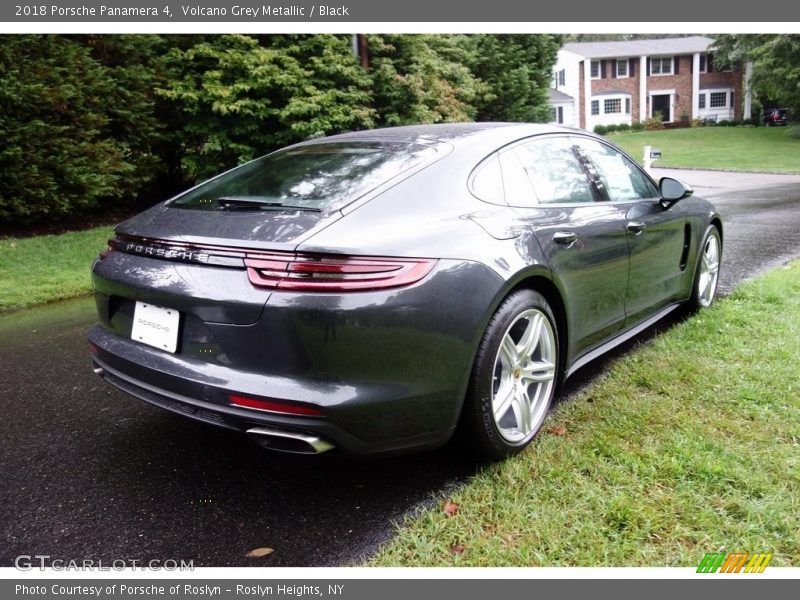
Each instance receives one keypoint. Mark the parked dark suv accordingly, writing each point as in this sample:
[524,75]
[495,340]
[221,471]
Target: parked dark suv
[775,116]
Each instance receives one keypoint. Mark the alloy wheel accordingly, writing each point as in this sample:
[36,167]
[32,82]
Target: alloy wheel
[709,271]
[523,376]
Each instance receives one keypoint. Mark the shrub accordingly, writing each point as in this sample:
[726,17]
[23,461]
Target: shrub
[724,123]
[612,128]
[654,123]
[66,145]
[600,129]
[623,127]
[793,131]
[637,126]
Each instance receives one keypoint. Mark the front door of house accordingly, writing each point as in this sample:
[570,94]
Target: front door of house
[662,104]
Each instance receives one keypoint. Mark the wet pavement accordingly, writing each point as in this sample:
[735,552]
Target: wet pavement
[87,472]
[760,218]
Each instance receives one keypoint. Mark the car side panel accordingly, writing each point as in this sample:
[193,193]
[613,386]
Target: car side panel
[592,272]
[656,253]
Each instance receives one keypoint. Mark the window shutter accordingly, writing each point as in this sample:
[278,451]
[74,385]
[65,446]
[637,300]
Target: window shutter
[613,69]
[632,68]
[602,69]
[710,63]
[676,60]
[648,65]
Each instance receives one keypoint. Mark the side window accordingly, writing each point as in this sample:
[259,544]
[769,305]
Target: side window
[551,170]
[621,178]
[487,181]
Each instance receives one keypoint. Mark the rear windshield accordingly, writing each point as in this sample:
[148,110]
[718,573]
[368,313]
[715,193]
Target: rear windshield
[313,177]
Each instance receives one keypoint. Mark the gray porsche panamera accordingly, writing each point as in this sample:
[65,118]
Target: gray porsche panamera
[374,292]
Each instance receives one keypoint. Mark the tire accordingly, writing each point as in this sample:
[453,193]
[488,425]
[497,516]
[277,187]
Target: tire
[513,379]
[706,278]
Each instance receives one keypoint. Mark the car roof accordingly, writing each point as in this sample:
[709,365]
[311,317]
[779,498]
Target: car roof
[458,134]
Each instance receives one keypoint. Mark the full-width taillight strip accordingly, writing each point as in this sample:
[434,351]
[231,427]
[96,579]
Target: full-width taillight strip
[291,271]
[309,273]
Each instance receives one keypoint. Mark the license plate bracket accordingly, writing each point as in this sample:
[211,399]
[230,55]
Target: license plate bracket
[156,326]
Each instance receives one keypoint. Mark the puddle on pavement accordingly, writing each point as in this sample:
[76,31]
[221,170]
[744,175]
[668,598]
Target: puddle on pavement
[48,317]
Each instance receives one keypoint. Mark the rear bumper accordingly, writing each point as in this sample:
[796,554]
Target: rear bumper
[388,369]
[204,404]
[199,399]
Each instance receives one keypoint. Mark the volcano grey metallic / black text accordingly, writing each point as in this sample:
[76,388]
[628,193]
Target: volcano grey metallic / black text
[373,292]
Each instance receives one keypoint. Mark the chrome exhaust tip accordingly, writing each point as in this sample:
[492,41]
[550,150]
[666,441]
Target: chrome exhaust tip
[98,371]
[285,440]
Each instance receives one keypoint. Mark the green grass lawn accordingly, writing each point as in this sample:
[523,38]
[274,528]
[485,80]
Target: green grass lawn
[688,445]
[731,148]
[48,267]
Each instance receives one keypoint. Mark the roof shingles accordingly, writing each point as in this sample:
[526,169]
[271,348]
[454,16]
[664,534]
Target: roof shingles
[624,48]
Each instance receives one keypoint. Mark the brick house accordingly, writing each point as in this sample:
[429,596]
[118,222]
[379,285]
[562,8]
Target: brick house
[604,83]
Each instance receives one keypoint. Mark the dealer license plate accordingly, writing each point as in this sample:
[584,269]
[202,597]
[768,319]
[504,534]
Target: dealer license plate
[156,326]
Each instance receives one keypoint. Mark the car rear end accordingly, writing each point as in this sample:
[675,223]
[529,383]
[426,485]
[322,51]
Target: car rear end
[208,307]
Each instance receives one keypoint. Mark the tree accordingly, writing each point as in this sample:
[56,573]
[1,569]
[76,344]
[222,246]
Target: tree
[240,98]
[776,63]
[423,79]
[58,154]
[518,70]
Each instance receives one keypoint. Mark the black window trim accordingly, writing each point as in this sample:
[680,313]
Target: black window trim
[647,176]
[600,195]
[604,197]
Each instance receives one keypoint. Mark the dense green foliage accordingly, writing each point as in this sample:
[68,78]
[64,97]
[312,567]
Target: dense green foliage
[776,64]
[517,71]
[74,132]
[423,79]
[91,122]
[239,98]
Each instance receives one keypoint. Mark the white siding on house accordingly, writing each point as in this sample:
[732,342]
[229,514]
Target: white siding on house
[568,113]
[570,63]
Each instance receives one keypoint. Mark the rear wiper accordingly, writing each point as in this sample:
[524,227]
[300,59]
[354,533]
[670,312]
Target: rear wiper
[256,203]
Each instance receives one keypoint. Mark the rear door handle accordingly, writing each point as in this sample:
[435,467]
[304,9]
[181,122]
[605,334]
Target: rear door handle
[564,237]
[636,227]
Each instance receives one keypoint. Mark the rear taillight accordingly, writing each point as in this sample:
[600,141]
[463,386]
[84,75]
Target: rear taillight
[112,245]
[310,273]
[276,407]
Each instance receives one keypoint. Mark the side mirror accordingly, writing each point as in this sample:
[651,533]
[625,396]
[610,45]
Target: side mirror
[672,190]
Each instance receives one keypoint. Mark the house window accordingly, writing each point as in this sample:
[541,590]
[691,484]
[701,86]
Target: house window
[718,99]
[560,118]
[701,101]
[622,67]
[595,107]
[627,106]
[703,63]
[595,69]
[562,77]
[612,105]
[661,66]
[553,114]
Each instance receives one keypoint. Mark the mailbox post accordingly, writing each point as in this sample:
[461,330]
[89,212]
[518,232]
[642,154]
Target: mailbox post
[650,154]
